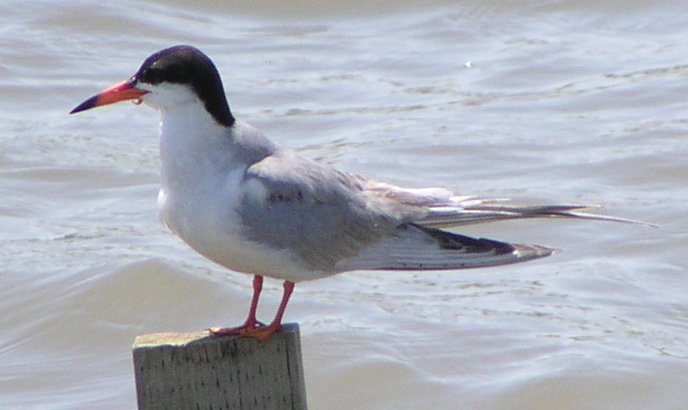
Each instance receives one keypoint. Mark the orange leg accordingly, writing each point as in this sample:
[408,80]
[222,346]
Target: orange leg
[263,332]
[251,321]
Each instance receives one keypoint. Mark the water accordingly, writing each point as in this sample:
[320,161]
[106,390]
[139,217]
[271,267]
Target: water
[549,101]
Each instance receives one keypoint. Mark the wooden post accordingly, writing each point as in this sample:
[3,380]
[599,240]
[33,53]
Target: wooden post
[198,371]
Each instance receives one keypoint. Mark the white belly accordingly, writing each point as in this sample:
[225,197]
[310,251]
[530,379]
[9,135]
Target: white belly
[205,218]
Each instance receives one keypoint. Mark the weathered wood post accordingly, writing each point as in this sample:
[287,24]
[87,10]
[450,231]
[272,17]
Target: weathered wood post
[198,371]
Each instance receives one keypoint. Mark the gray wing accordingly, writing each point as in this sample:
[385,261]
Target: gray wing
[319,214]
[333,222]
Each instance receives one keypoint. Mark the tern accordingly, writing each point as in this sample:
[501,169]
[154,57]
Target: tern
[253,207]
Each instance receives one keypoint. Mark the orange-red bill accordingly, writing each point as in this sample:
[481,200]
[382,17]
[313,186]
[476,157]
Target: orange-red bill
[126,90]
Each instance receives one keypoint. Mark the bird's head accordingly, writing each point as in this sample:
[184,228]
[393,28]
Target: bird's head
[168,78]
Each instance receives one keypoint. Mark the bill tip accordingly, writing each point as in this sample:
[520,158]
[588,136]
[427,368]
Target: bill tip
[90,103]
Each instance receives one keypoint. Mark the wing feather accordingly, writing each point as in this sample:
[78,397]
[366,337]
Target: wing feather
[334,222]
[414,247]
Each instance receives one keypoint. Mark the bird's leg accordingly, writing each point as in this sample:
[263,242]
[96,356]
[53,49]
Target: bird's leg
[251,321]
[263,333]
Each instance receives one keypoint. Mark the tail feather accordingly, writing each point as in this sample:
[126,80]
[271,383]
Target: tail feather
[441,208]
[420,245]
[441,217]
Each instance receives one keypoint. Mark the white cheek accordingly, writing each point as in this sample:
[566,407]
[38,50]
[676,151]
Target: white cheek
[167,95]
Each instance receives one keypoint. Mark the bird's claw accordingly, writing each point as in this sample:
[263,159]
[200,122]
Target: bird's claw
[257,330]
[238,330]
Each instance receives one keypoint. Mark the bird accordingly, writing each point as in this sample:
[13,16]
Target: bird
[253,207]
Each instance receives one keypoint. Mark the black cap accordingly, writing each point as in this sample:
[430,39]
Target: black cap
[184,64]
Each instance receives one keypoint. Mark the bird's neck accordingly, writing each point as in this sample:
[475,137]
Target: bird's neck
[189,122]
[193,146]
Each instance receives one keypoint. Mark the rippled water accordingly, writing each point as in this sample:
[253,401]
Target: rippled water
[550,101]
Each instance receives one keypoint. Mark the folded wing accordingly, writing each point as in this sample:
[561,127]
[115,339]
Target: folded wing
[336,222]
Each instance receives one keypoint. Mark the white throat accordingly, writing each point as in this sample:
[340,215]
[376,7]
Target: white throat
[192,144]
[199,175]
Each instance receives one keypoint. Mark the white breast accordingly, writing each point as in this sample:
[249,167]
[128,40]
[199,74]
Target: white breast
[200,191]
